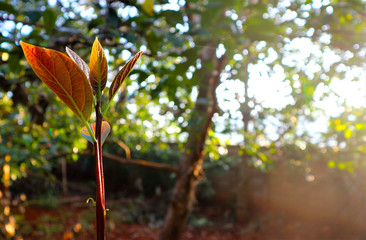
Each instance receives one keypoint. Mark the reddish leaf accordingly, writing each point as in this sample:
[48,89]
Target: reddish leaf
[79,61]
[98,67]
[106,128]
[62,76]
[122,74]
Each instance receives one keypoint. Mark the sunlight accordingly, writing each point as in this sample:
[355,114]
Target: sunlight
[270,87]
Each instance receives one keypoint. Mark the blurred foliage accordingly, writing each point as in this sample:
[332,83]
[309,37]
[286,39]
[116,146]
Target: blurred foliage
[347,137]
[11,210]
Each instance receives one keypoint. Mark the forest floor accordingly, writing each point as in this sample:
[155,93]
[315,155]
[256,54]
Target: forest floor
[68,222]
[126,221]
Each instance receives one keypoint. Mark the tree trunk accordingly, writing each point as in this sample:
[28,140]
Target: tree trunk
[64,176]
[190,167]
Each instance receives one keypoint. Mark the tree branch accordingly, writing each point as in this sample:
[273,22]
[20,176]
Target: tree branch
[142,163]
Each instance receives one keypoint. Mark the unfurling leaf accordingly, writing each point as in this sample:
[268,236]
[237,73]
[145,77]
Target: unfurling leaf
[105,131]
[122,74]
[63,77]
[98,68]
[91,199]
[79,61]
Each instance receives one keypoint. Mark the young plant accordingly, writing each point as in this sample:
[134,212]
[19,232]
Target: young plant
[80,87]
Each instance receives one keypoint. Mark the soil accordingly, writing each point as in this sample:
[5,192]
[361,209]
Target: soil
[69,222]
[76,221]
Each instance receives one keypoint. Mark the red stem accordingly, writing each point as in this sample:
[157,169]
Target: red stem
[100,202]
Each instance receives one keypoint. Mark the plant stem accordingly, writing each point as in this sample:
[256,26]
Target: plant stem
[100,202]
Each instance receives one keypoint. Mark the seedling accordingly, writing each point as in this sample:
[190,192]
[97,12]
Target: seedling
[80,87]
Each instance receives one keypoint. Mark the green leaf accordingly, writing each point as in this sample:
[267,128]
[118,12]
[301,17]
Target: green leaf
[33,15]
[49,18]
[342,19]
[95,22]
[359,126]
[14,65]
[341,127]
[331,164]
[173,17]
[8,8]
[348,133]
[112,18]
[261,30]
[148,7]
[176,41]
[262,156]
[250,150]
[342,166]
[309,91]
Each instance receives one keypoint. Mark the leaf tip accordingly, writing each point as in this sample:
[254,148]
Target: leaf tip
[96,40]
[139,54]
[25,45]
[22,44]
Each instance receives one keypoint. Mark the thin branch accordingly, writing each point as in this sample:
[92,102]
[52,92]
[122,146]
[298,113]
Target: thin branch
[126,148]
[142,163]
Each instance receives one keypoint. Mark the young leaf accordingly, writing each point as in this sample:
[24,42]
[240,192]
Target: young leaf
[79,61]
[122,74]
[106,128]
[98,67]
[63,77]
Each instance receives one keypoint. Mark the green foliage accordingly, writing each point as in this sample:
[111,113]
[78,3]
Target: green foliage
[10,211]
[49,19]
[346,135]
